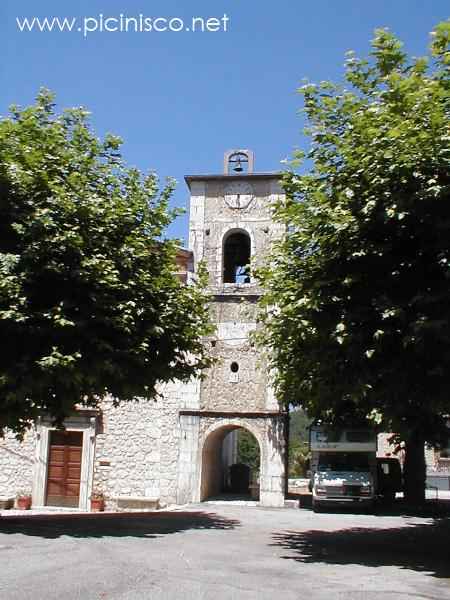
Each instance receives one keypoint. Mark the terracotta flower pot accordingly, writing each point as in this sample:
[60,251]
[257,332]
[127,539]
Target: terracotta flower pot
[24,502]
[97,504]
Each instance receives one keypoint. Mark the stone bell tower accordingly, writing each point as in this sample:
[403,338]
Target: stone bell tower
[231,231]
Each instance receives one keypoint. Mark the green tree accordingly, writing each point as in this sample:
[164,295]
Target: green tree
[299,454]
[356,313]
[89,300]
[299,424]
[248,450]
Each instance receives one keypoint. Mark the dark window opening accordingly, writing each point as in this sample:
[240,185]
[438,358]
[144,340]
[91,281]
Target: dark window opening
[236,255]
[234,367]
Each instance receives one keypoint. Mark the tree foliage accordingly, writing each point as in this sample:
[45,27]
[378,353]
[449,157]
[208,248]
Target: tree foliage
[89,300]
[356,312]
[299,454]
[248,452]
[299,424]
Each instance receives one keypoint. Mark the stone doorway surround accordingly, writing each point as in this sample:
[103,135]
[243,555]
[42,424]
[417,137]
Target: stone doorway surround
[213,471]
[196,428]
[86,422]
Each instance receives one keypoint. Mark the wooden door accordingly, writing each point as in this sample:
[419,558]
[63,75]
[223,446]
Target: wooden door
[64,468]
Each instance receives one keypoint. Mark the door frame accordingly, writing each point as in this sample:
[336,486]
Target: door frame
[87,424]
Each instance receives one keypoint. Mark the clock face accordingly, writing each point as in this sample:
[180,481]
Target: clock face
[238,194]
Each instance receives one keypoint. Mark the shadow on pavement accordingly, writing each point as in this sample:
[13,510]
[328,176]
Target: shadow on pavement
[421,547]
[147,525]
[431,509]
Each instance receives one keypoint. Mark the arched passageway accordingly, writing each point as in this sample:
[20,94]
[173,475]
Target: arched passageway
[231,459]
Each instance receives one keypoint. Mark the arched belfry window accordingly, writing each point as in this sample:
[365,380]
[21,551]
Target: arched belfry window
[238,161]
[236,258]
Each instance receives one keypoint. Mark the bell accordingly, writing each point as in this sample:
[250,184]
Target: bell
[238,168]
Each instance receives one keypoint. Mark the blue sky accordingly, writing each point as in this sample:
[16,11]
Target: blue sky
[179,100]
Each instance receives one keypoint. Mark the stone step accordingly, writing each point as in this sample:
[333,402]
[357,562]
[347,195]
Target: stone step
[137,502]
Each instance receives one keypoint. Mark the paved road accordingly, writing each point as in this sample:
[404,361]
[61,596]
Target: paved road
[224,552]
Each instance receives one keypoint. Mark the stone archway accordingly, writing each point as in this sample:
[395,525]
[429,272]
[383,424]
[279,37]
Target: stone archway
[213,466]
[202,434]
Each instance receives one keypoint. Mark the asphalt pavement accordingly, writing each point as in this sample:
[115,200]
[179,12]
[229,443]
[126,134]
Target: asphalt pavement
[224,551]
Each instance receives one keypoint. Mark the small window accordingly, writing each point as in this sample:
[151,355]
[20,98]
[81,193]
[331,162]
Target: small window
[233,375]
[236,258]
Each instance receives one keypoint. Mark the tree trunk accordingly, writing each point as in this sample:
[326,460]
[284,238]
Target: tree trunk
[414,470]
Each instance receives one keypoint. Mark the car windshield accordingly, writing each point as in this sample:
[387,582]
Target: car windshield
[355,461]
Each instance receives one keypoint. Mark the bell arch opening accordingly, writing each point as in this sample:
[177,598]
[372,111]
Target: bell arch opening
[231,460]
[236,257]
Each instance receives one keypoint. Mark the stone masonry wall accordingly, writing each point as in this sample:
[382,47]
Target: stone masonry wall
[387,449]
[222,389]
[218,218]
[127,450]
[245,390]
[137,446]
[17,461]
[136,449]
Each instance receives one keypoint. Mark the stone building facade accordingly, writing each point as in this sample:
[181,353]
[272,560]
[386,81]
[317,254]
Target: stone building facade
[437,461]
[172,450]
